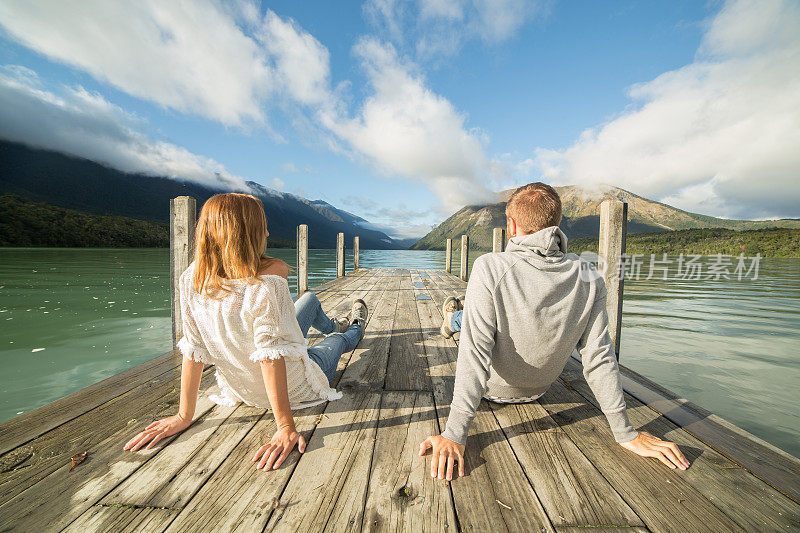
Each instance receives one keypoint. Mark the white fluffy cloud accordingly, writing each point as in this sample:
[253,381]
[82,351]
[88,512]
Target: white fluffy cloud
[219,60]
[720,135]
[410,131]
[84,124]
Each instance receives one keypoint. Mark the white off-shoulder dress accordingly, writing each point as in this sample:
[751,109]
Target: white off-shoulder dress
[254,322]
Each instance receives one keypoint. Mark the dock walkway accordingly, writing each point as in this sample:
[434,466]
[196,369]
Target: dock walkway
[551,465]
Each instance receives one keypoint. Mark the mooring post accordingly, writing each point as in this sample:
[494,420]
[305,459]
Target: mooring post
[182,223]
[498,239]
[340,255]
[302,259]
[464,256]
[355,253]
[613,231]
[448,256]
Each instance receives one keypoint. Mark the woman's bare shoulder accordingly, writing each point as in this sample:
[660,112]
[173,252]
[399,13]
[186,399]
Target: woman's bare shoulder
[275,267]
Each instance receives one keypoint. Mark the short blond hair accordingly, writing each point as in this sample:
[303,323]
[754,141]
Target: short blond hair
[534,206]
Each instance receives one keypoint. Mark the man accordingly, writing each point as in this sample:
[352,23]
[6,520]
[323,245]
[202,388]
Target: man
[526,310]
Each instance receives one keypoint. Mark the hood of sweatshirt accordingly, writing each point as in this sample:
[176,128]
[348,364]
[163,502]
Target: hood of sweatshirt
[548,244]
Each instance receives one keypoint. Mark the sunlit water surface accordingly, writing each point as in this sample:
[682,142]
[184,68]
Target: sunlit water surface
[71,317]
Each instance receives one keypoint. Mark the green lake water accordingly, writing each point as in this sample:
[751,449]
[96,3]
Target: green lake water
[72,317]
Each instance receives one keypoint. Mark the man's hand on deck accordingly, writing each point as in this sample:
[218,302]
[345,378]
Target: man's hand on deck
[158,430]
[667,452]
[274,453]
[445,454]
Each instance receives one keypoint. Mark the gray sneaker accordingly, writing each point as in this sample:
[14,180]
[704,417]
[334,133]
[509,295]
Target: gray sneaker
[358,314]
[342,324]
[450,306]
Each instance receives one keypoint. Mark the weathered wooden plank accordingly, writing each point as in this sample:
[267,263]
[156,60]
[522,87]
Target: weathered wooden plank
[26,427]
[660,496]
[69,494]
[328,487]
[582,529]
[712,474]
[406,367]
[356,250]
[771,464]
[122,519]
[401,495]
[495,494]
[366,367]
[51,451]
[443,285]
[174,475]
[237,496]
[440,353]
[448,256]
[570,488]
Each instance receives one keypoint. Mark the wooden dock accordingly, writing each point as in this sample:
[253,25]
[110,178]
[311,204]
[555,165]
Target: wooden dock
[547,466]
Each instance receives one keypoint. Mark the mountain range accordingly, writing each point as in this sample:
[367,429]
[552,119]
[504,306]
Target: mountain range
[581,218]
[89,187]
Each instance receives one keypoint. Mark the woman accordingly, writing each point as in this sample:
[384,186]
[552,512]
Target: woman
[237,314]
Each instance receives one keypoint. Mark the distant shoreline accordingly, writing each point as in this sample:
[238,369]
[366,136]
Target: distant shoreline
[769,242]
[25,223]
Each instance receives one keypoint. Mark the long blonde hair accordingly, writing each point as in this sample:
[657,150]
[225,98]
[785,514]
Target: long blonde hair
[230,242]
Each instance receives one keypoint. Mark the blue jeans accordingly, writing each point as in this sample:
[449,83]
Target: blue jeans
[329,350]
[455,321]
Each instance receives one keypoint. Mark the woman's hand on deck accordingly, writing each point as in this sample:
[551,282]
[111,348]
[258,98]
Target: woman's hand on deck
[158,430]
[667,452]
[444,456]
[273,454]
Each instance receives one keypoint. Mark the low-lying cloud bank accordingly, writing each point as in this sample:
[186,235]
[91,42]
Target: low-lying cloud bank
[76,122]
[719,136]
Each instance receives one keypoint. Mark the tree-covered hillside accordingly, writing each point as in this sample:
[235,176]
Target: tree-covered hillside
[26,223]
[769,242]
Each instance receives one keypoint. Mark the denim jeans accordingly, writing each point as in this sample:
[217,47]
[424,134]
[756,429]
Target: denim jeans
[455,321]
[329,350]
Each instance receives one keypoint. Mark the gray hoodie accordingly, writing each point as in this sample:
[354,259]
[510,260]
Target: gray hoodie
[525,312]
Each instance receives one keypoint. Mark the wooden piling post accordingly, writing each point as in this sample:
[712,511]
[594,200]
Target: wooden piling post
[302,259]
[355,253]
[464,256]
[182,224]
[448,256]
[340,255]
[498,239]
[613,232]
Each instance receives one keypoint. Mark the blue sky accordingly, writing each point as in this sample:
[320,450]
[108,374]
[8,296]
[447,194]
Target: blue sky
[402,112]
